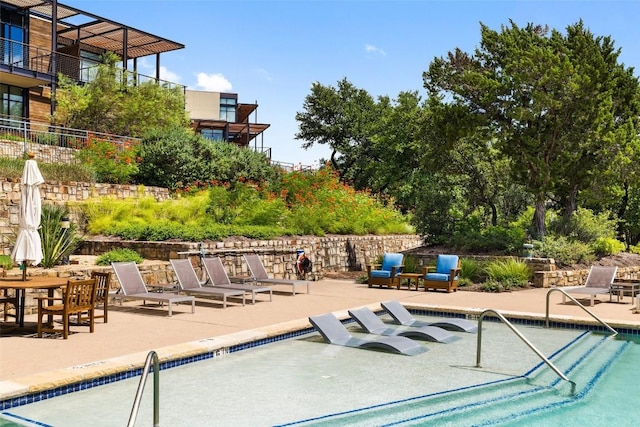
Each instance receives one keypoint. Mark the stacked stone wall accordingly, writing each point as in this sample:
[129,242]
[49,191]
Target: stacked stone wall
[54,192]
[329,253]
[561,278]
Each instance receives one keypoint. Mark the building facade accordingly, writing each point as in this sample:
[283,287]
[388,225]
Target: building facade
[41,38]
[220,117]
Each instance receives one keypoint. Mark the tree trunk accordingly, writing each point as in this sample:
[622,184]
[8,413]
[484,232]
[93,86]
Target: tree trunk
[494,214]
[537,224]
[571,205]
[622,211]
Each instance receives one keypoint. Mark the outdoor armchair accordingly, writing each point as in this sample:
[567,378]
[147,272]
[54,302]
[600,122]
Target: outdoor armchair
[387,274]
[444,276]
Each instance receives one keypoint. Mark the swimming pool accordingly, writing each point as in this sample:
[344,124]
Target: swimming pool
[303,381]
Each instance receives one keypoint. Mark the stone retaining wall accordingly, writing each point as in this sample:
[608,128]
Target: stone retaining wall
[54,192]
[547,279]
[329,253]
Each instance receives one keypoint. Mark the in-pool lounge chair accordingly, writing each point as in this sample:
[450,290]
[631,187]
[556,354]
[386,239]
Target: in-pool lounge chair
[334,332]
[598,282]
[260,275]
[218,278]
[190,285]
[387,273]
[132,287]
[401,316]
[371,323]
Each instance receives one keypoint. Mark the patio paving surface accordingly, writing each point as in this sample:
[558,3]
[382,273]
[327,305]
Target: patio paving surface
[28,363]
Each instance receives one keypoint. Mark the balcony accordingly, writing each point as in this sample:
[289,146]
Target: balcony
[27,66]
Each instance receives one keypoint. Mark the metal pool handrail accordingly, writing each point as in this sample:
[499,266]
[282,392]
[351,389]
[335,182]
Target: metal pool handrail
[151,357]
[602,322]
[524,339]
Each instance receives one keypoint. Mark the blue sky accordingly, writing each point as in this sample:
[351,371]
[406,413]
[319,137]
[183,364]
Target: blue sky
[271,51]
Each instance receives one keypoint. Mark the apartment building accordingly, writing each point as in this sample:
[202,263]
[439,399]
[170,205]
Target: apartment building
[41,38]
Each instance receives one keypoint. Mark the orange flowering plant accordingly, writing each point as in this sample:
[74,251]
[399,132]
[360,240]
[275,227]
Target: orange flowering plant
[113,161]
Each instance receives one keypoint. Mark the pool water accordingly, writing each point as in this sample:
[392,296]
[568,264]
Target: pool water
[304,381]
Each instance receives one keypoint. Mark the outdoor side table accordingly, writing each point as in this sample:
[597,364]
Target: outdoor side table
[627,287]
[410,276]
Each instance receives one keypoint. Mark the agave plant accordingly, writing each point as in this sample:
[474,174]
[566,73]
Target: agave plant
[57,242]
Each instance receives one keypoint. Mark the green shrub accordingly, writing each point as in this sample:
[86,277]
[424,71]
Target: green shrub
[181,160]
[12,168]
[634,249]
[585,226]
[119,255]
[509,273]
[248,209]
[10,137]
[57,243]
[410,264]
[564,251]
[605,246]
[494,286]
[493,238]
[469,270]
[6,262]
[47,139]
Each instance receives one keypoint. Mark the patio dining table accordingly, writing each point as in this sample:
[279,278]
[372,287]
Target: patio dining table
[20,287]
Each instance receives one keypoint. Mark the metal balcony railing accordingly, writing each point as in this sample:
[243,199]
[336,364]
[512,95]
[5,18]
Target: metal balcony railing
[33,61]
[18,137]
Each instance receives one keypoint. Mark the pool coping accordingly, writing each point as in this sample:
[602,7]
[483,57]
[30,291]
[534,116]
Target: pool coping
[45,385]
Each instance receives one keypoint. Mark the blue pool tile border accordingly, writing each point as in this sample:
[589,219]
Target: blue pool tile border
[132,373]
[85,385]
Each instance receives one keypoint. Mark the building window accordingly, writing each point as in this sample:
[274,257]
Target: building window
[228,109]
[89,63]
[11,101]
[13,32]
[213,134]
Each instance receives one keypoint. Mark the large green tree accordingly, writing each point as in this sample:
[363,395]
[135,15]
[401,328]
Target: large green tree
[548,100]
[111,103]
[373,141]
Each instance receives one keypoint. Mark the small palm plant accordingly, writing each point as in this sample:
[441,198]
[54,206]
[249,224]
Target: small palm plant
[57,242]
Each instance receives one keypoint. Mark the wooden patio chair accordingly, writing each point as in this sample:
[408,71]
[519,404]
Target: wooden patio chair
[5,300]
[102,293]
[79,296]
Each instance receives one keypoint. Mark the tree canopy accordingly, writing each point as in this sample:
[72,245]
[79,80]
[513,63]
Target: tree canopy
[552,103]
[532,117]
[109,103]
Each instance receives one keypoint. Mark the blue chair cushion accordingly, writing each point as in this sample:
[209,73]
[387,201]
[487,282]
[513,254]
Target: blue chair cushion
[381,274]
[391,260]
[437,277]
[445,263]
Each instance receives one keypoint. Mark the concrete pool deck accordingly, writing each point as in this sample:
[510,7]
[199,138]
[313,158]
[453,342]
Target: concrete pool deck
[29,364]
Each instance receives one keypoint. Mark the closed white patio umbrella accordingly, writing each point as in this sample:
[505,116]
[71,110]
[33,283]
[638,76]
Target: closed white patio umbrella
[28,246]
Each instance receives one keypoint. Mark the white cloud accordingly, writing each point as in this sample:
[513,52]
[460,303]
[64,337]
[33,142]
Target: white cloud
[369,48]
[168,76]
[147,68]
[213,82]
[264,74]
